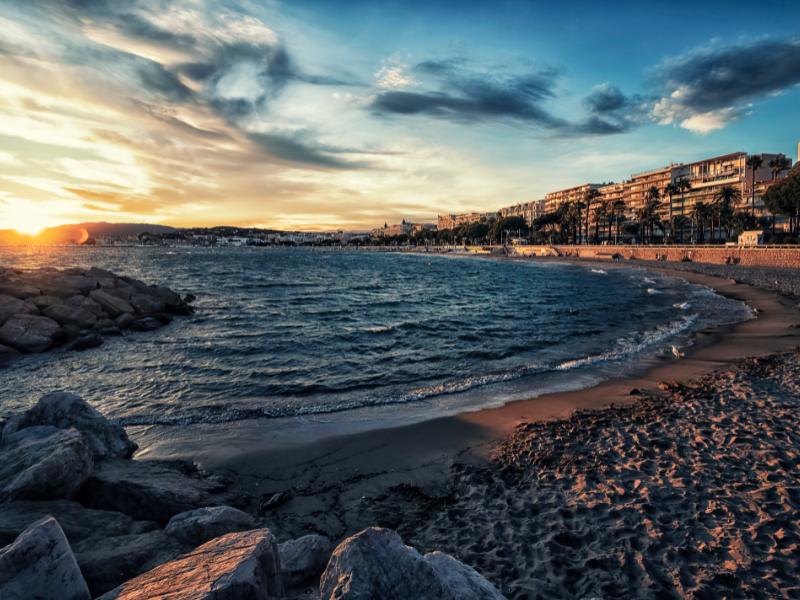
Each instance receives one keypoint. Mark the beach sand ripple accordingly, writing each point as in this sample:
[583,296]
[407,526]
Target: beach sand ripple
[692,494]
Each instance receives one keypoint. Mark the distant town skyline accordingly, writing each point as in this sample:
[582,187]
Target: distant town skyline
[319,116]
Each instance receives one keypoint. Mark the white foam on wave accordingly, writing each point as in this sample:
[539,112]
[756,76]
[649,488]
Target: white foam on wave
[652,291]
[600,271]
[626,347]
[682,305]
[377,329]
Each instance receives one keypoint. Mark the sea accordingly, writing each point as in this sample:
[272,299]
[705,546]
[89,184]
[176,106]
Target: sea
[306,334]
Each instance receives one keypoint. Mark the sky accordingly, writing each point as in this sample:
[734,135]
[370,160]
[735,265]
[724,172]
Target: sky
[313,115]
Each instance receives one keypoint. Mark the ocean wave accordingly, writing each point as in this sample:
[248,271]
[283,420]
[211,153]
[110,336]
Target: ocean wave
[652,291]
[600,271]
[682,305]
[377,329]
[627,347]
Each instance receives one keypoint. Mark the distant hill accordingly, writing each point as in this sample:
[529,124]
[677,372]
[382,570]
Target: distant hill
[72,233]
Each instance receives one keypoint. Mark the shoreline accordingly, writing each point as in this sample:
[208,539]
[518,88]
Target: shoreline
[333,484]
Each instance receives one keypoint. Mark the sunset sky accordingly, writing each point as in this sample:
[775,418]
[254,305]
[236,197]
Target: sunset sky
[319,115]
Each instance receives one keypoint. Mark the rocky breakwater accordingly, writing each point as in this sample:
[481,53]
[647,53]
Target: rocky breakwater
[79,519]
[76,308]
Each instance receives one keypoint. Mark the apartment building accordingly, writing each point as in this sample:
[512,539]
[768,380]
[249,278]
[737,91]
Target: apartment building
[453,221]
[529,211]
[574,194]
[637,188]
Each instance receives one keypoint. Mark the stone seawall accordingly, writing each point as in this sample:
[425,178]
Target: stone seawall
[756,257]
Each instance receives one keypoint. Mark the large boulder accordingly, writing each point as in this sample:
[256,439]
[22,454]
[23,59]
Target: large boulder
[63,314]
[124,321]
[376,564]
[464,582]
[10,306]
[42,302]
[70,285]
[147,304]
[63,411]
[7,354]
[303,558]
[236,566]
[43,463]
[199,526]
[147,490]
[29,333]
[18,289]
[145,324]
[86,304]
[111,304]
[40,565]
[79,523]
[109,562]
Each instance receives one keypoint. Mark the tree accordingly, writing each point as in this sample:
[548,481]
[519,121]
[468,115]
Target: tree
[778,164]
[589,198]
[600,213]
[783,197]
[683,185]
[671,189]
[754,163]
[699,215]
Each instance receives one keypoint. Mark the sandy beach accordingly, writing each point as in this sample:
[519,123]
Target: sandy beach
[687,488]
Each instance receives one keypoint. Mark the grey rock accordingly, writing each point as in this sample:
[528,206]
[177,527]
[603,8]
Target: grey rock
[463,582]
[103,324]
[147,304]
[64,314]
[40,565]
[87,342]
[109,562]
[86,304]
[376,564]
[79,523]
[110,331]
[124,321]
[29,333]
[42,302]
[164,318]
[64,410]
[121,293]
[111,304]
[18,289]
[303,558]
[10,306]
[236,566]
[43,463]
[7,354]
[146,490]
[69,285]
[145,324]
[204,524]
[189,298]
[100,273]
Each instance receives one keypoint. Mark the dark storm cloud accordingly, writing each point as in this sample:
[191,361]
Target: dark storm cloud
[721,78]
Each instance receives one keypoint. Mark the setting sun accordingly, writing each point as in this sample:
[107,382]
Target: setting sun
[24,217]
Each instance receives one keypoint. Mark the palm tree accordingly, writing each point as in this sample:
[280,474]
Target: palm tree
[728,195]
[676,224]
[683,185]
[778,164]
[670,190]
[600,213]
[651,208]
[754,162]
[700,213]
[589,197]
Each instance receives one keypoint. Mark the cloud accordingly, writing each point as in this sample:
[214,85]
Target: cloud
[300,148]
[709,88]
[605,99]
[393,77]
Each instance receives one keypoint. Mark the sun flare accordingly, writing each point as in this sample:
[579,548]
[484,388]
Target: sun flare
[25,217]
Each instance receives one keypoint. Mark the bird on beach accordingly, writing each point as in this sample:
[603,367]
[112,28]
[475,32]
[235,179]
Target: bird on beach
[676,352]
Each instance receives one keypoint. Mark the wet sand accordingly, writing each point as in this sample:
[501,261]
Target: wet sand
[671,493]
